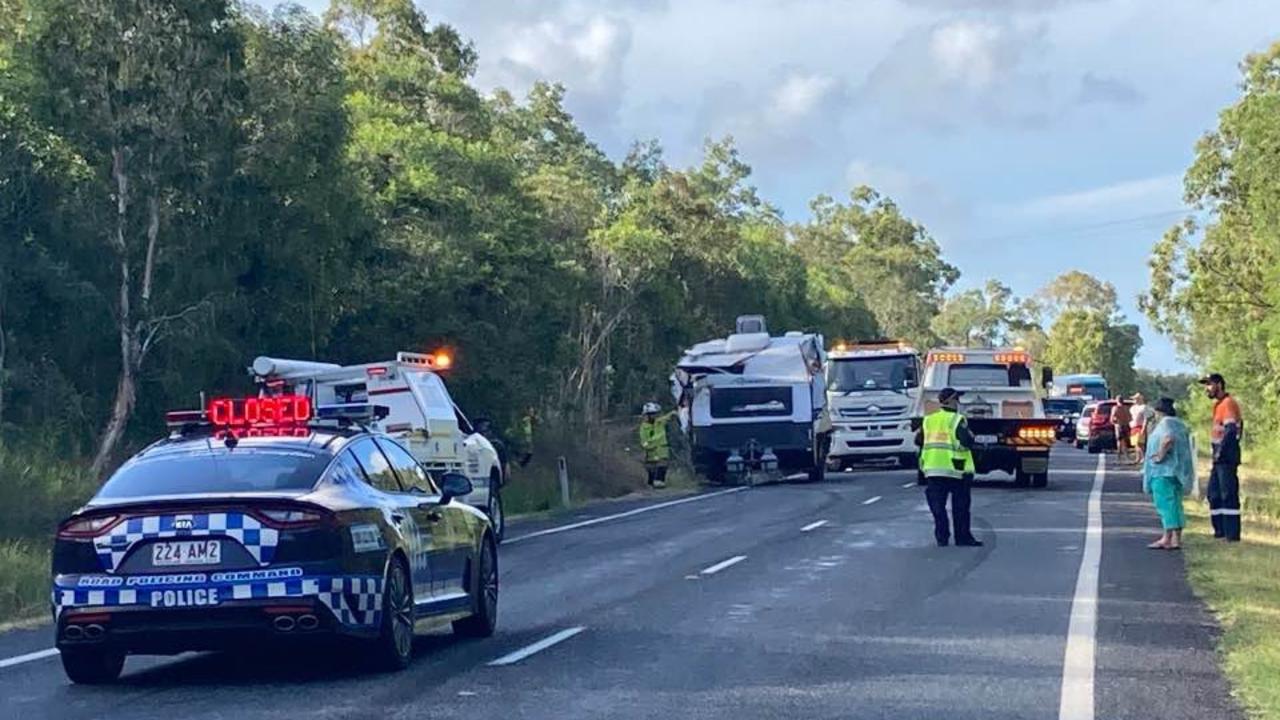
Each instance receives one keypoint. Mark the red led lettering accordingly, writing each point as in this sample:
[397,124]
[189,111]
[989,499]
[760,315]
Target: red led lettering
[259,412]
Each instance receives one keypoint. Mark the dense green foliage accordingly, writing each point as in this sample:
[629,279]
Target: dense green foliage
[185,185]
[1215,283]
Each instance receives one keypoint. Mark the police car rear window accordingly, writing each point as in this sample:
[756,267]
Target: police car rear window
[216,470]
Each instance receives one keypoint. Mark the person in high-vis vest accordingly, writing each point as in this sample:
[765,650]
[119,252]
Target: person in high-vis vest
[653,441]
[946,460]
[1224,480]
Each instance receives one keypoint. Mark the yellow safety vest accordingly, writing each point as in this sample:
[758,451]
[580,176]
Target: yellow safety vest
[942,448]
[653,439]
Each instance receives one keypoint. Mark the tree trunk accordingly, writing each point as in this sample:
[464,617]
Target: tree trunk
[125,388]
[3,348]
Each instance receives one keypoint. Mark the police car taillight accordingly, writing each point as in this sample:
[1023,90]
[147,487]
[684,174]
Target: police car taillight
[291,518]
[87,527]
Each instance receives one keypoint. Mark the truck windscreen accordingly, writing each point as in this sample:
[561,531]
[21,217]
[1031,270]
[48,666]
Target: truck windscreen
[891,373]
[992,375]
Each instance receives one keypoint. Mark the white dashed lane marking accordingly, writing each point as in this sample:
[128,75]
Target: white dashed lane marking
[19,659]
[870,500]
[543,644]
[723,564]
[813,525]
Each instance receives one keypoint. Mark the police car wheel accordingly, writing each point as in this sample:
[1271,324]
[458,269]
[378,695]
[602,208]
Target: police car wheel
[394,647]
[484,583]
[497,517]
[92,666]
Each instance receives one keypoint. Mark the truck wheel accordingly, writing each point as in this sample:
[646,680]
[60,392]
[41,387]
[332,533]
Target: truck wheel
[1040,480]
[1079,445]
[92,666]
[1021,478]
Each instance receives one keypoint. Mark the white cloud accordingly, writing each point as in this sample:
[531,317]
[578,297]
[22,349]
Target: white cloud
[1161,192]
[948,74]
[586,55]
[800,94]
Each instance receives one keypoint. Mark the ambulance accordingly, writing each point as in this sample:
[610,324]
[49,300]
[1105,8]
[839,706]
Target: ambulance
[420,414]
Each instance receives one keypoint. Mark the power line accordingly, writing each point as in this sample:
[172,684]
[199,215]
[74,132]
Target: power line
[1140,220]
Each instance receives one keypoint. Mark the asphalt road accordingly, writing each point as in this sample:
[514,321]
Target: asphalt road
[787,601]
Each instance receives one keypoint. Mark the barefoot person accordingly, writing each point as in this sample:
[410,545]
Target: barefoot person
[1168,471]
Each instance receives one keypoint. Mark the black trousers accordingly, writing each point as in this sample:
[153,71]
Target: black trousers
[936,492]
[1224,501]
[657,472]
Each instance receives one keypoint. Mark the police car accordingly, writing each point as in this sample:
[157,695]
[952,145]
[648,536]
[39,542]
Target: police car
[259,519]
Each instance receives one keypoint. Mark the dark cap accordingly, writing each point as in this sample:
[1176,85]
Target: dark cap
[1164,406]
[947,393]
[1213,378]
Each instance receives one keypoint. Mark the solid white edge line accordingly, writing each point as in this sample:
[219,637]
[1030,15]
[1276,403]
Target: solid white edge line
[19,659]
[868,501]
[543,644]
[618,516]
[813,525]
[1080,657]
[909,485]
[723,564]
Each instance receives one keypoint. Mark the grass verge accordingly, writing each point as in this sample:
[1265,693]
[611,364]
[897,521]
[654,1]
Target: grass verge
[24,580]
[1240,582]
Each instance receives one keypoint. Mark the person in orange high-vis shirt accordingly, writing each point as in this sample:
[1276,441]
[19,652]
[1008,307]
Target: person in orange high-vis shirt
[1224,480]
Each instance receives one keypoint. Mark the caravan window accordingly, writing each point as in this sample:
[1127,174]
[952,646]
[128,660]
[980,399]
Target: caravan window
[746,402]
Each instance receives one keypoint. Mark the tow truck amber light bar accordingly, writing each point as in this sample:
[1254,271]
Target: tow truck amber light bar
[1013,358]
[438,360]
[1036,433]
[946,357]
[875,344]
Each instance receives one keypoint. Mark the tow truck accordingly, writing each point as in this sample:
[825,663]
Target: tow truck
[872,386]
[1002,406]
[420,414]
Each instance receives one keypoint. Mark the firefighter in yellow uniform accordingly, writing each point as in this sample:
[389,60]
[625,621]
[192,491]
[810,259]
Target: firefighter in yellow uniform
[653,441]
[946,460]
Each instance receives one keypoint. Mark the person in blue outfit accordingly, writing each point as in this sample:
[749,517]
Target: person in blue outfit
[1168,471]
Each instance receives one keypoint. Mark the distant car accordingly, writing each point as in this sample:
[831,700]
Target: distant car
[1066,410]
[230,532]
[1082,425]
[1102,435]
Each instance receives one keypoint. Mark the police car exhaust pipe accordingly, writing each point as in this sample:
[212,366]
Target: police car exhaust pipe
[308,622]
[284,623]
[93,632]
[73,632]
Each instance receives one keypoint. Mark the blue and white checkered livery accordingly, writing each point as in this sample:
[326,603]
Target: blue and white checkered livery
[260,541]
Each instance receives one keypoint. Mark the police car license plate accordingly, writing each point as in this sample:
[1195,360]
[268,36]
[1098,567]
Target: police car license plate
[985,439]
[186,552]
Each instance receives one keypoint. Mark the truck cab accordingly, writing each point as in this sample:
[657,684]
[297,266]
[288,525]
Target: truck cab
[421,414]
[1002,405]
[872,387]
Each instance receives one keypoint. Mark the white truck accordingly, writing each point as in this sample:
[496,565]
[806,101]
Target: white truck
[872,387]
[1001,404]
[420,414]
[754,406]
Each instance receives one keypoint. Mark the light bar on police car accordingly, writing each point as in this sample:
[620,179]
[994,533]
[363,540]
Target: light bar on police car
[351,412]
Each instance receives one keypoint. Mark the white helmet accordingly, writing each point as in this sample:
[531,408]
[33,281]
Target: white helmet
[650,408]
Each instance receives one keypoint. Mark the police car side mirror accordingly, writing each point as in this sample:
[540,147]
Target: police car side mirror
[454,485]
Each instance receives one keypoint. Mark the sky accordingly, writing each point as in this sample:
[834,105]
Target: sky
[1030,137]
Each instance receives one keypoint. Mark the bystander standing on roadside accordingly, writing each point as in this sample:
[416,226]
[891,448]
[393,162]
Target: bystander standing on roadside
[1224,480]
[1142,414]
[1168,471]
[1120,420]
